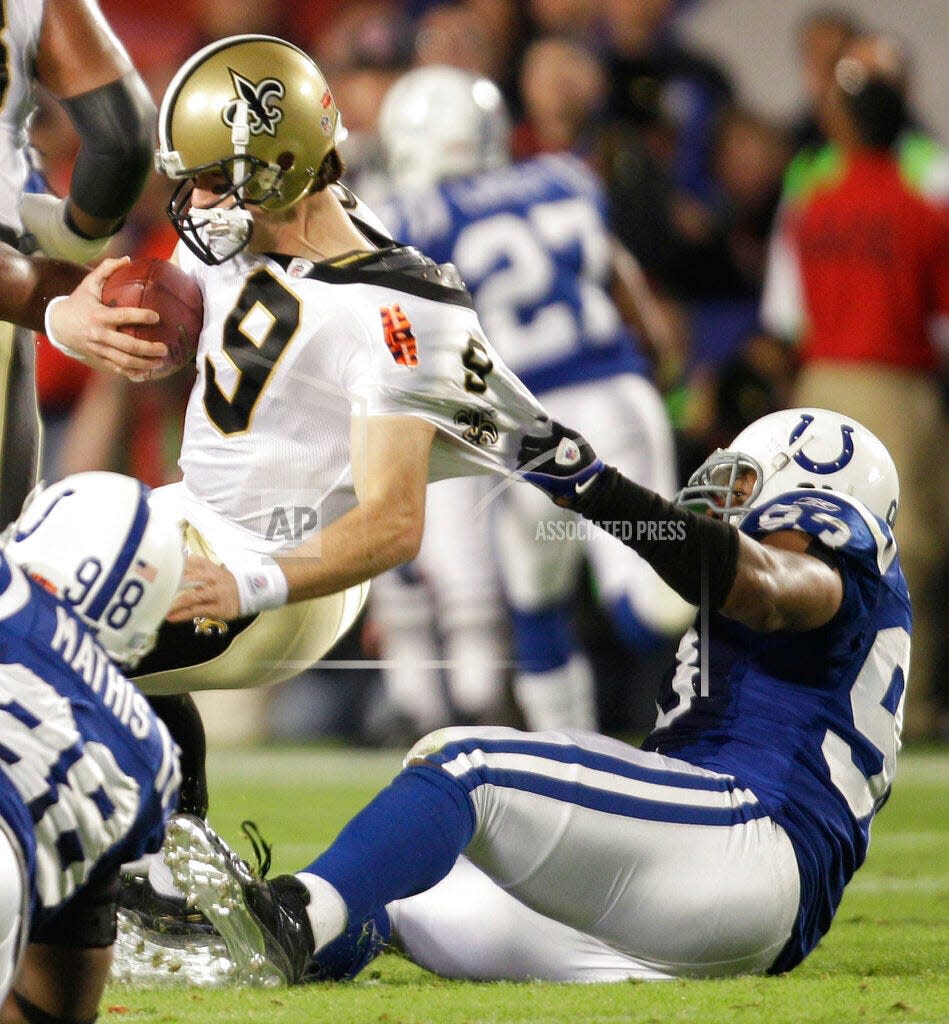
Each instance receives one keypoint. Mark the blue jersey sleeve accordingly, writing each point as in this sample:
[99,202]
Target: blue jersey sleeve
[863,543]
[840,523]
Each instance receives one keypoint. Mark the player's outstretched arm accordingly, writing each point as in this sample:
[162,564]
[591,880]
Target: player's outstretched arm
[390,470]
[778,584]
[80,325]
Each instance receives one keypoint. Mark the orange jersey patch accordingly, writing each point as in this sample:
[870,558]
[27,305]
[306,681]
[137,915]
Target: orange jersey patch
[399,338]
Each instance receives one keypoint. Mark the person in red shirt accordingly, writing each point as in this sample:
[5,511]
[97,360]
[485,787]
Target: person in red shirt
[859,279]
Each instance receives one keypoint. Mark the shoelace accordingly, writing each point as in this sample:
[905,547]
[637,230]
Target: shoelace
[262,849]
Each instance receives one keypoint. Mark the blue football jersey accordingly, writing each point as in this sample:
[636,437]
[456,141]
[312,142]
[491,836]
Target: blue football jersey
[809,721]
[531,242]
[88,774]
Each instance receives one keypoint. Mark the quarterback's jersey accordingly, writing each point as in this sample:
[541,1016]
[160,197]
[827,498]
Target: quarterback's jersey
[808,721]
[294,355]
[531,243]
[22,20]
[88,774]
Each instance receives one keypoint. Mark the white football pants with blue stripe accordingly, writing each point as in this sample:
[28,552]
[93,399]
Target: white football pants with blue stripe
[594,861]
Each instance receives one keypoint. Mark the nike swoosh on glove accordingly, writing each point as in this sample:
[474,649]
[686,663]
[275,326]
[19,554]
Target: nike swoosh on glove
[561,463]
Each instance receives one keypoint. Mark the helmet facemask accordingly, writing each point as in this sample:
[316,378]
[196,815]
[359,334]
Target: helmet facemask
[714,486]
[218,232]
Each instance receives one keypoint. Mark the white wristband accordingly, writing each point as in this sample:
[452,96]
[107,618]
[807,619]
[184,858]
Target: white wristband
[53,340]
[261,588]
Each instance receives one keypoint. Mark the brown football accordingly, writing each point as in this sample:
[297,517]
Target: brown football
[175,297]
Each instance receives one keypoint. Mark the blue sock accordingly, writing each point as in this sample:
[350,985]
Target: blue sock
[633,630]
[543,639]
[402,843]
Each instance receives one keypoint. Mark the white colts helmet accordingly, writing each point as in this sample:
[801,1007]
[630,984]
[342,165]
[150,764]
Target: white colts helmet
[441,122]
[94,540]
[798,448]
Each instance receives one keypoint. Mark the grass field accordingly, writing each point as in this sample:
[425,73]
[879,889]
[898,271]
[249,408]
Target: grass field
[885,960]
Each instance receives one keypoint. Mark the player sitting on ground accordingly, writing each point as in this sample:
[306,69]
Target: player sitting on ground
[722,846]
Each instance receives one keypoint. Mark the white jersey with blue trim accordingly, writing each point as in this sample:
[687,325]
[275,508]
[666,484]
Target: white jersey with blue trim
[88,774]
[808,721]
[21,24]
[531,243]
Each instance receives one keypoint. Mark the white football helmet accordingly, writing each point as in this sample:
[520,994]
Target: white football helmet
[96,542]
[797,448]
[441,122]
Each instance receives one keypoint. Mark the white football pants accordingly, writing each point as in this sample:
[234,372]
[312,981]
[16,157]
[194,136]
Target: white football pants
[14,914]
[594,861]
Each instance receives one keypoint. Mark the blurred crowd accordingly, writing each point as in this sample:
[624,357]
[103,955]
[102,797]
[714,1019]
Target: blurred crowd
[695,179]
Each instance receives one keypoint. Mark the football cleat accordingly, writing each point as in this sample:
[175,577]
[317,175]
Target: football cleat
[263,923]
[142,956]
[169,915]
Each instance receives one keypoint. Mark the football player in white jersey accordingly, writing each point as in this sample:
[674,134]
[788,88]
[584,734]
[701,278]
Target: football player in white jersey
[532,242]
[66,46]
[88,773]
[338,373]
[721,847]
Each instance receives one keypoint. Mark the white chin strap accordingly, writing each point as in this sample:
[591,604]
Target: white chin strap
[226,231]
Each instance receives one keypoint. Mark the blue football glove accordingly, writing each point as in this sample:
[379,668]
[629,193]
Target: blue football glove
[561,463]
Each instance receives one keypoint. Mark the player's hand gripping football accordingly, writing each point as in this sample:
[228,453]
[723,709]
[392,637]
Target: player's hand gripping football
[561,463]
[90,330]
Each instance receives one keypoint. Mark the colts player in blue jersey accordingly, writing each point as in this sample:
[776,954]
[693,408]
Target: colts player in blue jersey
[88,774]
[724,845]
[532,243]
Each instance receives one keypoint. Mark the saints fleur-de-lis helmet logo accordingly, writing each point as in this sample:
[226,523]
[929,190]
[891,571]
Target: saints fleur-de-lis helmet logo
[263,112]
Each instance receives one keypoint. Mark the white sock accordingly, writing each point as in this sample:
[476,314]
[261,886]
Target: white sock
[562,698]
[477,657]
[326,910]
[159,876]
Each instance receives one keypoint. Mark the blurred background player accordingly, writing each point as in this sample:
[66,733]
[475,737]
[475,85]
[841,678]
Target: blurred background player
[531,243]
[722,847]
[858,282]
[88,774]
[67,47]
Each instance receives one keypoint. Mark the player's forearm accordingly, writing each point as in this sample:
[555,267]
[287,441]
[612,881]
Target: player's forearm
[27,283]
[363,543]
[696,555]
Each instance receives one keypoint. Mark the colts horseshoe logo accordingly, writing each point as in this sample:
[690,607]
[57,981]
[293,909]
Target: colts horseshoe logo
[843,459]
[23,534]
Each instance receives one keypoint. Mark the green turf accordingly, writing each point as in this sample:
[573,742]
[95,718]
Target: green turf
[885,959]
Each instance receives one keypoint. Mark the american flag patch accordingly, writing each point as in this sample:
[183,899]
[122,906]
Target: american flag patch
[144,569]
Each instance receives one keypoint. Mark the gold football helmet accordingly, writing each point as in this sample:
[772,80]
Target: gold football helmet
[256,109]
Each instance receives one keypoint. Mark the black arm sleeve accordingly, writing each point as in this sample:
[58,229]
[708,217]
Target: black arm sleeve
[115,123]
[673,540]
